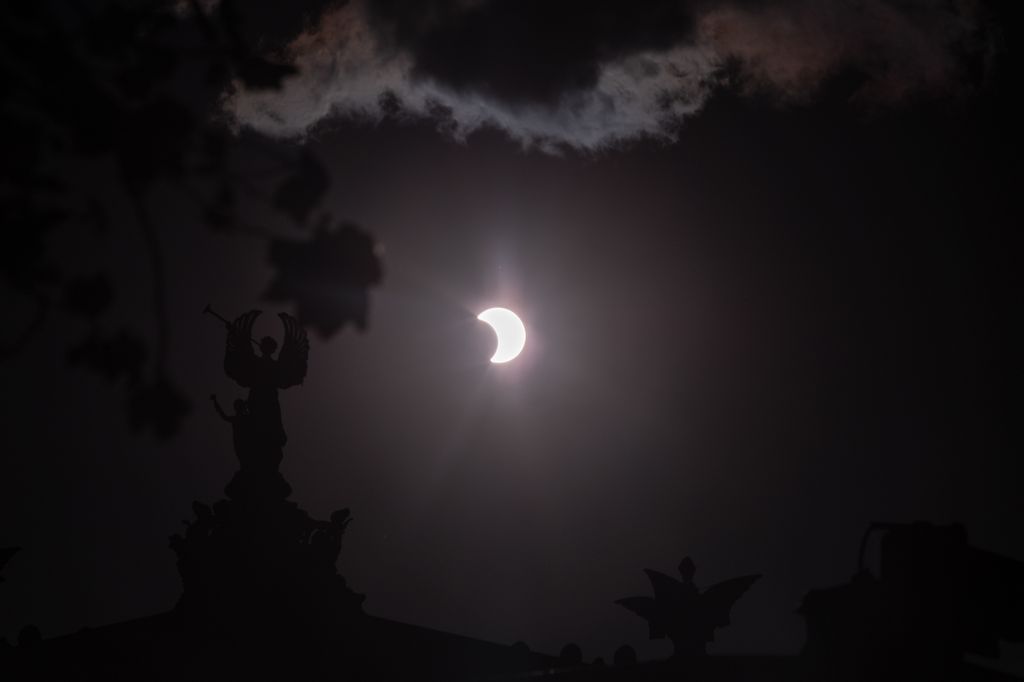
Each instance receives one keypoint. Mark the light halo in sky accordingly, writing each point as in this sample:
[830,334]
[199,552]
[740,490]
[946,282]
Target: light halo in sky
[510,331]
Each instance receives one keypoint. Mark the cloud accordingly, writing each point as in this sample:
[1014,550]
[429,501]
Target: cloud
[589,75]
[900,48]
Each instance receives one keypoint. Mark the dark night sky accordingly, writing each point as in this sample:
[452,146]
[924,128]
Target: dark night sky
[745,344]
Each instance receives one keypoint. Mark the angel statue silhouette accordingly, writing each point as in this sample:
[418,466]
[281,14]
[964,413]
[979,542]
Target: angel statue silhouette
[258,428]
[684,614]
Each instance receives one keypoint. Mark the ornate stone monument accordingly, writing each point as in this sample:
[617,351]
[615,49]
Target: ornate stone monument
[257,570]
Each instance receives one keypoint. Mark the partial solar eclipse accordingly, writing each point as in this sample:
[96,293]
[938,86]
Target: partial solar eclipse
[510,332]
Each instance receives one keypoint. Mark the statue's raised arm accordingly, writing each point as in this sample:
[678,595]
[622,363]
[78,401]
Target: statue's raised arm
[294,356]
[240,362]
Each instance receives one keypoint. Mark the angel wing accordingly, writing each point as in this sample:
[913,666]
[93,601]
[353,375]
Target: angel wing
[239,358]
[670,591]
[716,602]
[646,608]
[294,356]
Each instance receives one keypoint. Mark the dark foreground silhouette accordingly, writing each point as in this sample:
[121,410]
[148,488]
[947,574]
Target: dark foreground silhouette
[934,601]
[684,614]
[263,599]
[262,596]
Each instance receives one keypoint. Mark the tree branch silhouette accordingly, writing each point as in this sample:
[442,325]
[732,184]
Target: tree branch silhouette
[105,81]
[156,263]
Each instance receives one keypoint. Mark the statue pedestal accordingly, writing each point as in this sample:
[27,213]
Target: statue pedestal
[259,575]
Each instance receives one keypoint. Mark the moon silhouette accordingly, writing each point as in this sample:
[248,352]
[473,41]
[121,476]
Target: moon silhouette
[510,332]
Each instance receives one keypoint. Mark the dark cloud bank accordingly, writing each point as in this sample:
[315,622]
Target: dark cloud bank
[592,74]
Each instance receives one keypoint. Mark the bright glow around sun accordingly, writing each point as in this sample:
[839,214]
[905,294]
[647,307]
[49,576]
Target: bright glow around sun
[510,332]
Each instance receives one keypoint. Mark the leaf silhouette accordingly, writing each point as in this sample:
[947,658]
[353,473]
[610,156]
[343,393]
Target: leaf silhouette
[220,213]
[253,70]
[328,277]
[302,190]
[159,406]
[94,217]
[145,156]
[259,74]
[23,264]
[120,356]
[88,295]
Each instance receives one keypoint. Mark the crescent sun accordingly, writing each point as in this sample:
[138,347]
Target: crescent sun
[510,332]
